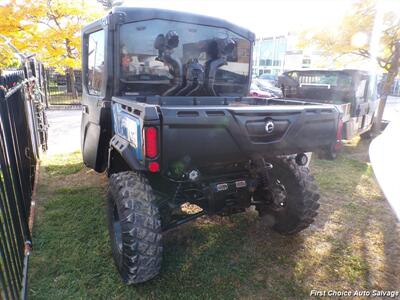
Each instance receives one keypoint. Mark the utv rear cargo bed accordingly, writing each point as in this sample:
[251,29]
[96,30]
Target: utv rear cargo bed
[207,130]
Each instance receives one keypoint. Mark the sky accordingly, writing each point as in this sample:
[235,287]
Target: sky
[265,18]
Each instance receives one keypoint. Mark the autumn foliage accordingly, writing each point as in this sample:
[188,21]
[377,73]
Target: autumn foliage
[49,28]
[368,31]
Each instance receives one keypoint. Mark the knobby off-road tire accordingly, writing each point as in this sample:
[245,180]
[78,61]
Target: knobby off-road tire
[366,135]
[135,227]
[301,201]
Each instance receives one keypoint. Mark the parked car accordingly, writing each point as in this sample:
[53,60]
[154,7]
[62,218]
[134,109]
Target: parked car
[353,92]
[268,87]
[270,78]
[255,91]
[167,137]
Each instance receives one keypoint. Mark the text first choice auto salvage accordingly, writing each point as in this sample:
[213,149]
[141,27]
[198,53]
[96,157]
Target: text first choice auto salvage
[355,293]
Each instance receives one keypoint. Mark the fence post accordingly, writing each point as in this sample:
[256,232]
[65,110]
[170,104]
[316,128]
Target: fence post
[5,116]
[46,86]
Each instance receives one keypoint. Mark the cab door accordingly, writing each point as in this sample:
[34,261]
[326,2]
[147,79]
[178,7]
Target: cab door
[361,108]
[373,101]
[96,117]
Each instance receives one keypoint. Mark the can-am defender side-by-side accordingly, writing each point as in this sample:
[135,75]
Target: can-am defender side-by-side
[353,92]
[165,113]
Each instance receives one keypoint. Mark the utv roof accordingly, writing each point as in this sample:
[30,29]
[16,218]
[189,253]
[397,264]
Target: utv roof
[134,14]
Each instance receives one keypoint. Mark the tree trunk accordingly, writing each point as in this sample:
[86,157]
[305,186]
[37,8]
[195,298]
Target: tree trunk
[71,70]
[387,85]
[73,87]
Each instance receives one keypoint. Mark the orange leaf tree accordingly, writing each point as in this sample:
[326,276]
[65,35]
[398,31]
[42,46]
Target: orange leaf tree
[347,40]
[49,28]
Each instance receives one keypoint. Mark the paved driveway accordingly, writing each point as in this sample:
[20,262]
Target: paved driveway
[392,109]
[64,131]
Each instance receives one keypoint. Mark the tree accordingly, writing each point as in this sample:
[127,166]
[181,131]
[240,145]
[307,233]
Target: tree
[49,28]
[13,31]
[367,32]
[61,23]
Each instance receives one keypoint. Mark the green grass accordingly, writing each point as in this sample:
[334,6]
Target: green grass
[341,174]
[215,258]
[63,164]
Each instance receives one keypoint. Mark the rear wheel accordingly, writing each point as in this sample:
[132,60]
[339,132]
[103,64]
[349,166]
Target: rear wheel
[135,227]
[293,201]
[330,152]
[283,91]
[366,135]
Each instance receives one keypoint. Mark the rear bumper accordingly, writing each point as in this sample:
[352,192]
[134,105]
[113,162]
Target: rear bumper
[206,135]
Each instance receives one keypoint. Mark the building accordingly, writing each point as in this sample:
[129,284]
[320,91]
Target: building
[276,54]
[269,54]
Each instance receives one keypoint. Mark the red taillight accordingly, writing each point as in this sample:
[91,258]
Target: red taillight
[339,130]
[154,167]
[151,142]
[338,144]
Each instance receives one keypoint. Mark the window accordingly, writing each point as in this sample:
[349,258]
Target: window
[268,76]
[360,93]
[333,79]
[144,71]
[95,62]
[277,63]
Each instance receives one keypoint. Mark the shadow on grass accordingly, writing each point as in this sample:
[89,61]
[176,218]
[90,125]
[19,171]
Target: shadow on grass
[352,245]
[213,258]
[357,226]
[357,149]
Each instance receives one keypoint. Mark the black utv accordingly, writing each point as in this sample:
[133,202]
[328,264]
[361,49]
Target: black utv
[165,114]
[353,92]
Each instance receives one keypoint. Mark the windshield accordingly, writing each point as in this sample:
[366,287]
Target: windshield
[332,86]
[268,77]
[265,84]
[159,57]
[254,86]
[328,79]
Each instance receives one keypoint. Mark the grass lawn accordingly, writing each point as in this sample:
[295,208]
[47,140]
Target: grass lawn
[354,244]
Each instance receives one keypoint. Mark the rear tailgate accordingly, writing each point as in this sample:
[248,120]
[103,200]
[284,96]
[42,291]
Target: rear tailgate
[236,133]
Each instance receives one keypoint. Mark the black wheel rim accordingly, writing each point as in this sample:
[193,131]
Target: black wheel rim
[286,181]
[117,229]
[279,191]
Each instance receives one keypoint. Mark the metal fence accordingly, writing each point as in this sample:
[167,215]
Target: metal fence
[395,88]
[395,91]
[62,90]
[22,133]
